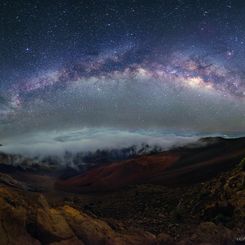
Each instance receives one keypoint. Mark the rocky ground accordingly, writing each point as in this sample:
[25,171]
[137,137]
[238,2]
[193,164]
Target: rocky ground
[211,212]
[27,218]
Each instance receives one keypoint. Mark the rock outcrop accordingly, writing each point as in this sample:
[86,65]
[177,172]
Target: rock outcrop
[27,218]
[210,212]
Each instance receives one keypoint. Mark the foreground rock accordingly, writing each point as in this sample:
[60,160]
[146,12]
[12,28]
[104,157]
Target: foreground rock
[27,218]
[211,212]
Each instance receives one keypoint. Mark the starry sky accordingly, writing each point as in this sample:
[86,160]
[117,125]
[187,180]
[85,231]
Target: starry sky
[159,65]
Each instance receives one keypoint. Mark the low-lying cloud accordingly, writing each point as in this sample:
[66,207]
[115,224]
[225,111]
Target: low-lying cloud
[89,140]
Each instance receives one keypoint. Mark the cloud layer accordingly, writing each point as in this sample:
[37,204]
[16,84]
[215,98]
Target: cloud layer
[56,143]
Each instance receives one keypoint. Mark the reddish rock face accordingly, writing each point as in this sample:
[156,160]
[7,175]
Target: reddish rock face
[173,168]
[28,219]
[143,214]
[120,174]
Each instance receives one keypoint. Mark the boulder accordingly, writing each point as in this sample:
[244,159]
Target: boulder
[165,239]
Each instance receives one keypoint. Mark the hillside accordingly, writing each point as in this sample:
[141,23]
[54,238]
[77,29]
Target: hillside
[186,196]
[211,212]
[186,165]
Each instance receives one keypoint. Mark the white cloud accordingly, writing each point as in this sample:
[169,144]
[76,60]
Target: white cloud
[89,139]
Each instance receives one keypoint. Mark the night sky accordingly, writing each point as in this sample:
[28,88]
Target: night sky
[156,66]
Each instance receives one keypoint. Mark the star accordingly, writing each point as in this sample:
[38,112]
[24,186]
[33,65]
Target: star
[27,50]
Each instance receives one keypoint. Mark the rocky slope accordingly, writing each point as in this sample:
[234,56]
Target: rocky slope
[211,212]
[140,208]
[27,218]
[186,165]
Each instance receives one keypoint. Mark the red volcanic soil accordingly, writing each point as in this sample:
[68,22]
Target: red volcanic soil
[119,174]
[176,167]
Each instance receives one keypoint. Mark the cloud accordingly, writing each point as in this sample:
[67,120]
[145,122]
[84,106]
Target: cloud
[54,143]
